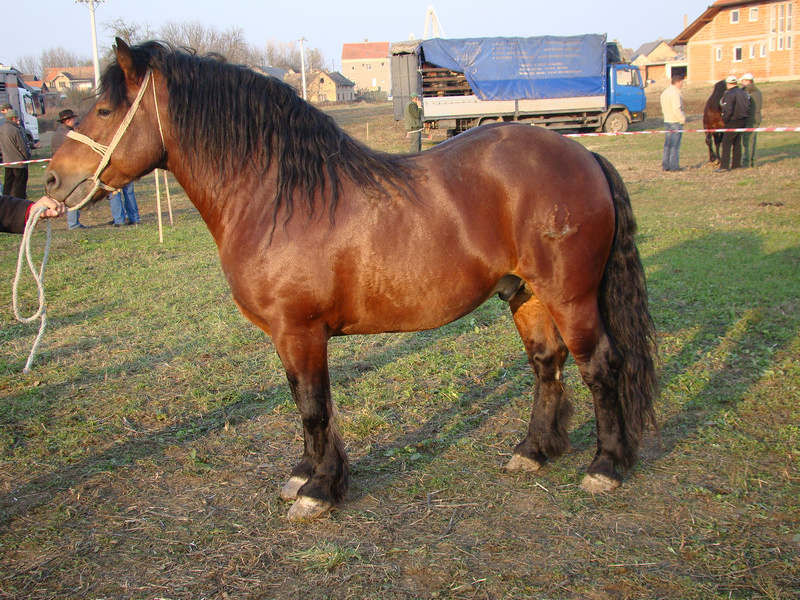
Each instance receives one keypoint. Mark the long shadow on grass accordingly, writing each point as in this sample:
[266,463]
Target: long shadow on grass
[725,309]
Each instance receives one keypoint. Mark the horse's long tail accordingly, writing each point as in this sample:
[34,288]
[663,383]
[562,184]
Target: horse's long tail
[626,315]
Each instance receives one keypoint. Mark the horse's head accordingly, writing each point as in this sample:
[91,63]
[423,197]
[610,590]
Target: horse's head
[122,137]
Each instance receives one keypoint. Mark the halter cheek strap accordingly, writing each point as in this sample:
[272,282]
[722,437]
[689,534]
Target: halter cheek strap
[106,151]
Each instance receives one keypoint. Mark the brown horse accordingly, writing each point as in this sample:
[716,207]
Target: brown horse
[712,119]
[320,236]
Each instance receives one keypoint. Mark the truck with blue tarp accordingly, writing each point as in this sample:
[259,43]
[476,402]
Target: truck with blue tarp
[567,83]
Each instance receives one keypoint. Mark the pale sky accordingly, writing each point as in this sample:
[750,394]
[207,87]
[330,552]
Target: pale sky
[327,24]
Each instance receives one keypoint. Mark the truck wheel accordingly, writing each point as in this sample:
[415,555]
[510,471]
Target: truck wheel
[616,123]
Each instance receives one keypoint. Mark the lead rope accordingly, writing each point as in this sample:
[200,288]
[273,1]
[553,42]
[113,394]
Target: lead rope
[25,252]
[25,247]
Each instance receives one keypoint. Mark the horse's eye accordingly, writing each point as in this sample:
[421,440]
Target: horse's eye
[103,112]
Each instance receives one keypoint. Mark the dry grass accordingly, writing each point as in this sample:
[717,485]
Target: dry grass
[143,456]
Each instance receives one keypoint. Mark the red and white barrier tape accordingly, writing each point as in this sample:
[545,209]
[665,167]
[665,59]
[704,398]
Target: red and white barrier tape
[24,162]
[744,130]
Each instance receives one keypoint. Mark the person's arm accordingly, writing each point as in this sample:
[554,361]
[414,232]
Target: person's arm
[14,212]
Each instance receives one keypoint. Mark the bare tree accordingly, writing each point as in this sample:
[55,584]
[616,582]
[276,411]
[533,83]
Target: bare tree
[286,55]
[61,57]
[29,64]
[205,39]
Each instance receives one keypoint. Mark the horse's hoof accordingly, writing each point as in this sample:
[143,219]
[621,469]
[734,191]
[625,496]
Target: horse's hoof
[523,463]
[596,484]
[308,509]
[289,491]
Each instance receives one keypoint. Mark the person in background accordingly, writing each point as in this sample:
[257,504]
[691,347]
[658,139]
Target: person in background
[413,122]
[14,148]
[14,212]
[67,121]
[753,121]
[33,144]
[124,209]
[735,106]
[674,119]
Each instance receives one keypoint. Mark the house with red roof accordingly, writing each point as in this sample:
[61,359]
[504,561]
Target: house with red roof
[367,64]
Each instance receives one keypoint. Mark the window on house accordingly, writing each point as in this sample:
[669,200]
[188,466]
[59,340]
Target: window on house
[719,53]
[789,15]
[752,51]
[735,16]
[763,50]
[737,54]
[788,42]
[780,43]
[781,19]
[754,14]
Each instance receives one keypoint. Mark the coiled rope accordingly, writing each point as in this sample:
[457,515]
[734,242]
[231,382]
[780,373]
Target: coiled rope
[38,276]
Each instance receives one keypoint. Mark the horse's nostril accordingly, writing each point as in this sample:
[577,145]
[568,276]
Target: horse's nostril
[51,181]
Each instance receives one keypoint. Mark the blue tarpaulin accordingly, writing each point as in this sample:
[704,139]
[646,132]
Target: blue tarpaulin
[525,68]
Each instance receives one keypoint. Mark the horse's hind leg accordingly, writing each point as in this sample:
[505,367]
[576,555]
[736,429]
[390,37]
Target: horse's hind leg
[599,363]
[547,432]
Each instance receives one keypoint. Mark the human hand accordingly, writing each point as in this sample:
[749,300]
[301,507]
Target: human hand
[54,207]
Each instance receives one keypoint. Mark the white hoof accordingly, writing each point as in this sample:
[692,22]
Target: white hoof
[596,484]
[289,491]
[523,463]
[308,509]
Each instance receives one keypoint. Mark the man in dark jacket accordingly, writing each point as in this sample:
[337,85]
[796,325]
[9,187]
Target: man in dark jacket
[735,107]
[67,121]
[14,212]
[753,120]
[15,149]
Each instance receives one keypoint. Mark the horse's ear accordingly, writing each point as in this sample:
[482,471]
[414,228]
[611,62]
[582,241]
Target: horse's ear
[125,61]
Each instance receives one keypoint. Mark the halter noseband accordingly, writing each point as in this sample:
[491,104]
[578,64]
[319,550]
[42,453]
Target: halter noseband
[106,151]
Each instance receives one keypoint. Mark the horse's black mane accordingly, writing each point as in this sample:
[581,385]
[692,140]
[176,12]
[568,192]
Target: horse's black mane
[238,120]
[716,95]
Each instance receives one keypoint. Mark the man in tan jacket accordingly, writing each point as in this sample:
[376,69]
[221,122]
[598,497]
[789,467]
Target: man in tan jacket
[674,119]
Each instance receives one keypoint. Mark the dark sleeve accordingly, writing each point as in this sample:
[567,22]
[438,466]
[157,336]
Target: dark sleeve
[727,107]
[13,214]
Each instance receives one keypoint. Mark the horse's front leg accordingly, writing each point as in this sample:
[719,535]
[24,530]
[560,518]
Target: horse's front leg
[319,481]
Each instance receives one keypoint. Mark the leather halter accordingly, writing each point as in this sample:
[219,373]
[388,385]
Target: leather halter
[106,151]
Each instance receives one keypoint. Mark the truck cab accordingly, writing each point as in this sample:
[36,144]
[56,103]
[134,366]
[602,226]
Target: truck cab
[626,97]
[27,102]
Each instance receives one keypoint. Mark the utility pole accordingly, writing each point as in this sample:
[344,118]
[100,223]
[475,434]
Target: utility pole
[90,4]
[303,65]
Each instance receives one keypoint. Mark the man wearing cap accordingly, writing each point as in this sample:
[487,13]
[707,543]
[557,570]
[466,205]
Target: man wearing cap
[735,106]
[5,107]
[67,120]
[14,148]
[413,122]
[753,120]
